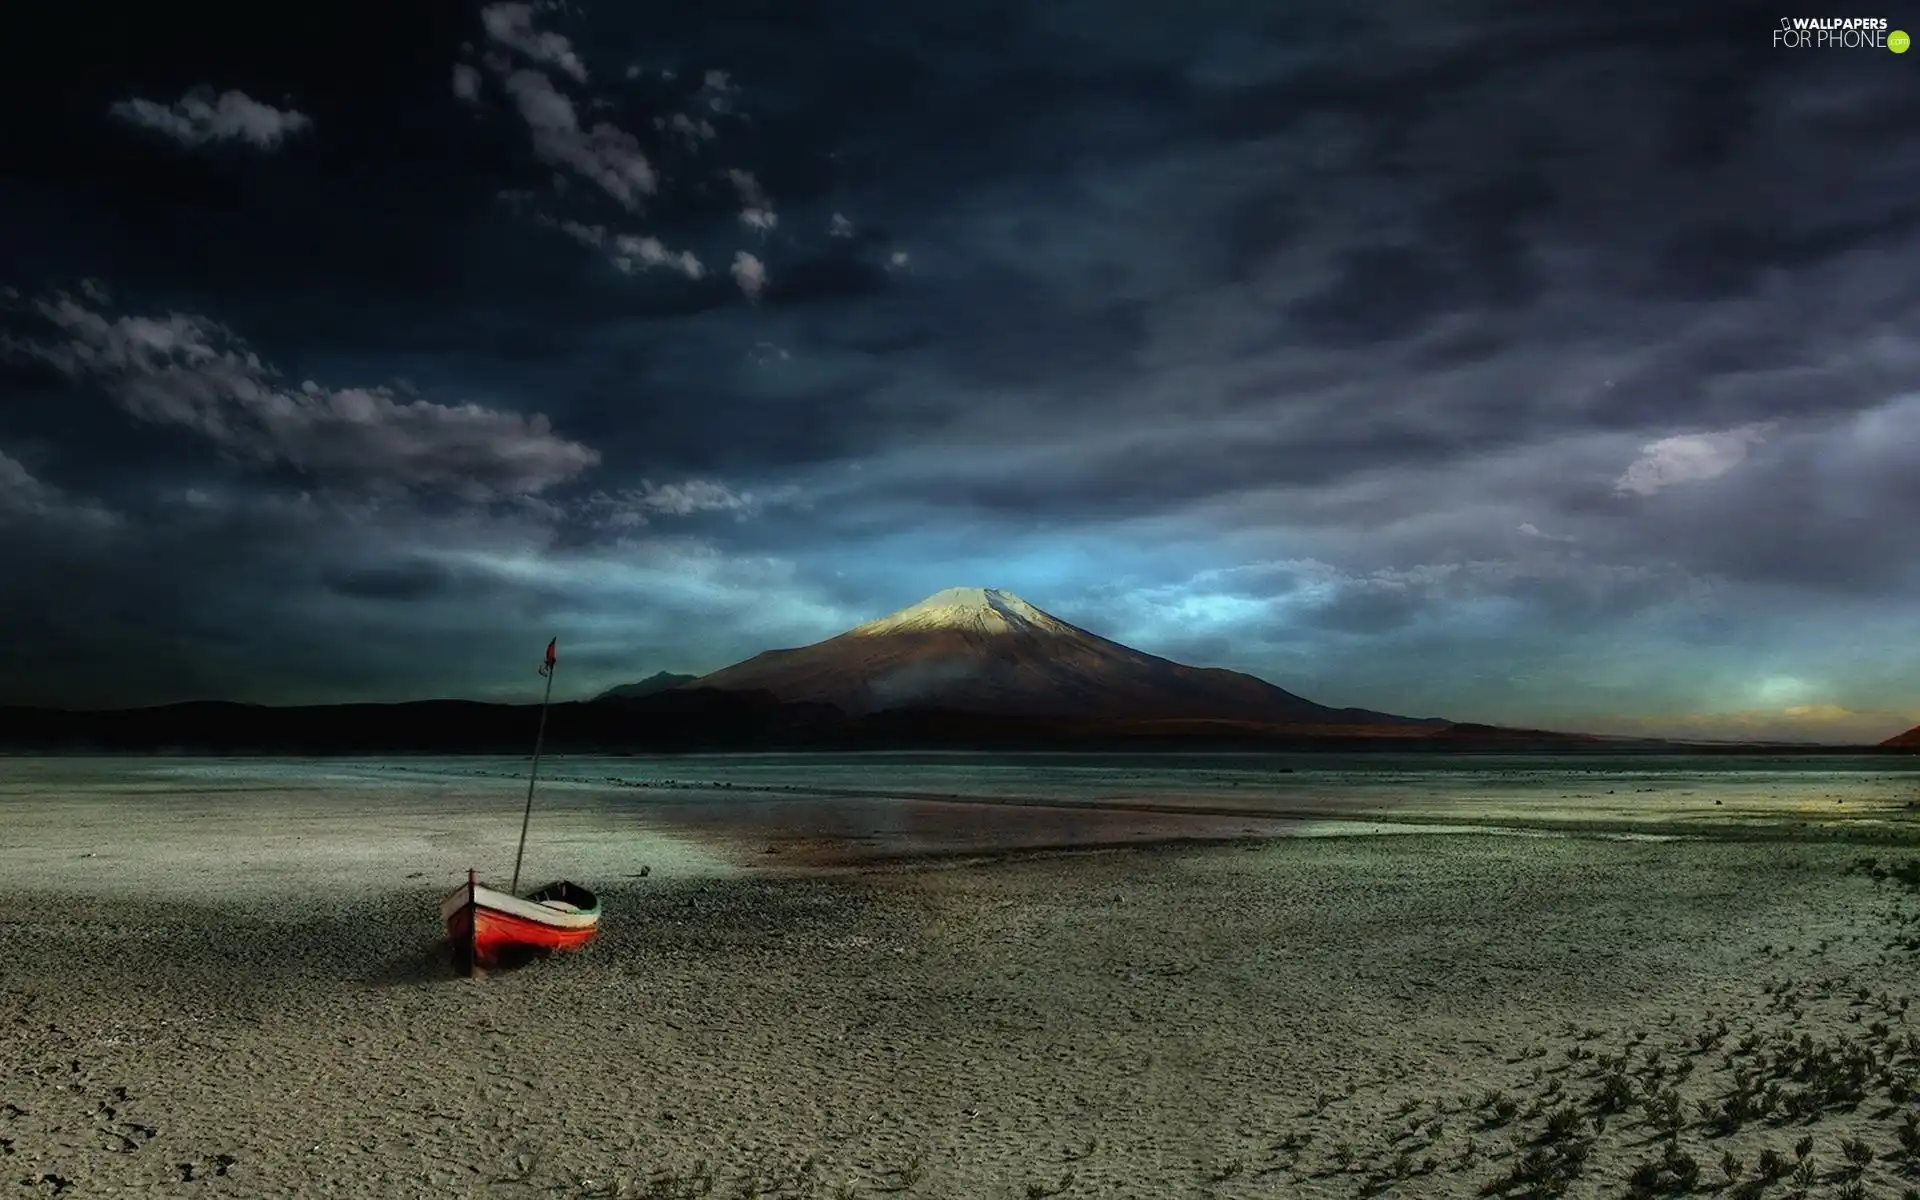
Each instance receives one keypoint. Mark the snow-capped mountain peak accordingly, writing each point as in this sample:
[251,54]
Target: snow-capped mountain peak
[971,609]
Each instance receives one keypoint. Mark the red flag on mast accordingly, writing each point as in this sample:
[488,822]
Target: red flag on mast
[547,667]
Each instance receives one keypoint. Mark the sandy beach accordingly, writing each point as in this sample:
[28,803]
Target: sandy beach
[223,980]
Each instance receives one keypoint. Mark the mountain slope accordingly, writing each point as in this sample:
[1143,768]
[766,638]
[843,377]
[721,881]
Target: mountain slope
[1910,738]
[984,650]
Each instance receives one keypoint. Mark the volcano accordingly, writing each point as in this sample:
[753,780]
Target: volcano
[982,650]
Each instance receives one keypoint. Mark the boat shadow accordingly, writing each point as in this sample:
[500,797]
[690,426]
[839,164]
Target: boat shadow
[433,962]
[427,962]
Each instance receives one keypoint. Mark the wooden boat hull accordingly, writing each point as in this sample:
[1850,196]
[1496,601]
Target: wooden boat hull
[490,929]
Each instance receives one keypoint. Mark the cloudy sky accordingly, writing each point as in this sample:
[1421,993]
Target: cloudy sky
[1554,365]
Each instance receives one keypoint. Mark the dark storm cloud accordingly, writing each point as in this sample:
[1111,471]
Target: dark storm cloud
[1468,253]
[398,581]
[1461,358]
[1713,259]
[829,277]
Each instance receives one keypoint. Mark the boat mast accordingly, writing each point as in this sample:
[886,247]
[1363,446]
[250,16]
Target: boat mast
[539,738]
[470,945]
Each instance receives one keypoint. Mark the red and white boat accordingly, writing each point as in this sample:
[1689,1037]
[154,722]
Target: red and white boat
[489,929]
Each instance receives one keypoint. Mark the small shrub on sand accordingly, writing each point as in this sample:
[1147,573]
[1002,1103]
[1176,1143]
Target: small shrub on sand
[1615,1093]
[1858,1154]
[1542,1171]
[1665,1112]
[1469,1151]
[1684,1168]
[915,1170]
[1231,1170]
[1772,1165]
[1561,1124]
[1497,1109]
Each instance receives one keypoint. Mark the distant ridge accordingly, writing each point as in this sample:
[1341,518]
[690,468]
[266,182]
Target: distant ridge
[679,720]
[704,720]
[984,650]
[1910,738]
[659,681]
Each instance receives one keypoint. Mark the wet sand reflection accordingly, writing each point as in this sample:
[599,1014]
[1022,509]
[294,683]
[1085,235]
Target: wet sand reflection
[825,830]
